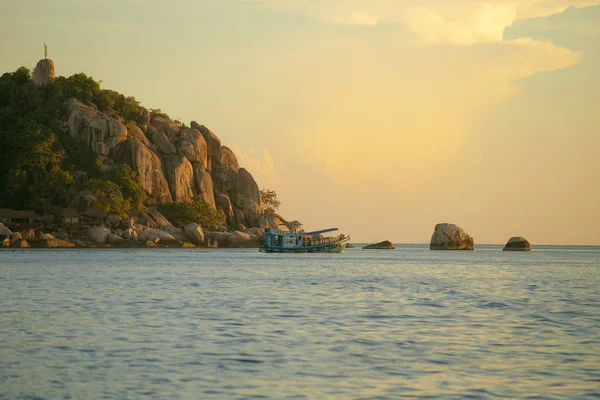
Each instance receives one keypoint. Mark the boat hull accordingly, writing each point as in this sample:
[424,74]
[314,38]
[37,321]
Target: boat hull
[336,247]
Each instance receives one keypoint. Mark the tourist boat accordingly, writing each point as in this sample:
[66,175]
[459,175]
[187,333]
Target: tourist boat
[296,240]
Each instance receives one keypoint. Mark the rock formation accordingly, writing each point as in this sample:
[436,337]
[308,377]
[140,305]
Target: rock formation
[98,131]
[44,72]
[517,243]
[450,237]
[385,245]
[180,176]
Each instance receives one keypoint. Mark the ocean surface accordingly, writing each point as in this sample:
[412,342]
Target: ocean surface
[238,324]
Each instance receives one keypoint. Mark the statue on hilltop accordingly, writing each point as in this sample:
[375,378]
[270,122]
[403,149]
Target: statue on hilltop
[44,70]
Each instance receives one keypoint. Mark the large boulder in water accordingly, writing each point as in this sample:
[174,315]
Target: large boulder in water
[385,245]
[517,243]
[98,234]
[4,231]
[194,233]
[241,239]
[450,237]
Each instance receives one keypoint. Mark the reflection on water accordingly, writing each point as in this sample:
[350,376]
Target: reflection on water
[240,324]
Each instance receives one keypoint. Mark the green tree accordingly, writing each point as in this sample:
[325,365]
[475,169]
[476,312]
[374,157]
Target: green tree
[109,197]
[181,214]
[33,177]
[269,200]
[129,182]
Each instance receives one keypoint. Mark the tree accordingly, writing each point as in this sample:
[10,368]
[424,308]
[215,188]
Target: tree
[109,197]
[269,200]
[129,182]
[181,214]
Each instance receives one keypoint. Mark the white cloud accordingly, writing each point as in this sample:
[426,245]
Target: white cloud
[437,21]
[261,166]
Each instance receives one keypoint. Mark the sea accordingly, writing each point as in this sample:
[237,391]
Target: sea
[239,324]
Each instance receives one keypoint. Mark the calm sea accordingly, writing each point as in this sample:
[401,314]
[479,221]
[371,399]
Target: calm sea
[237,324]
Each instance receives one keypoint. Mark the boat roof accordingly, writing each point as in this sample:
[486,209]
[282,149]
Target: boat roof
[322,231]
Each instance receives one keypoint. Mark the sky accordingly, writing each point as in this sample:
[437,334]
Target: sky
[380,117]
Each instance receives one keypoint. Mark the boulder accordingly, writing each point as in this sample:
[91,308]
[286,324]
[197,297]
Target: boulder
[98,234]
[44,72]
[98,131]
[188,245]
[15,236]
[149,168]
[204,184]
[385,245]
[137,135]
[158,219]
[194,234]
[113,238]
[517,243]
[6,242]
[146,220]
[153,234]
[113,220]
[224,171]
[274,221]
[221,238]
[143,118]
[130,234]
[245,185]
[164,125]
[213,144]
[46,236]
[150,243]
[161,141]
[192,145]
[350,246]
[56,244]
[240,219]
[258,232]
[4,231]
[180,176]
[20,243]
[177,233]
[252,210]
[241,239]
[224,204]
[83,200]
[450,237]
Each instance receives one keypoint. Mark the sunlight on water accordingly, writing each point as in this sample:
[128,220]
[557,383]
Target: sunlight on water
[240,324]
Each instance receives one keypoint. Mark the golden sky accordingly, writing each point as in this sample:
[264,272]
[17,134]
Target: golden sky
[382,118]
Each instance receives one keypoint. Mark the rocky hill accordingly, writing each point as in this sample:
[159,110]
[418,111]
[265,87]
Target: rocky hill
[62,137]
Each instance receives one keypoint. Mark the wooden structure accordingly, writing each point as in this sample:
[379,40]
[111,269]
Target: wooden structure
[16,220]
[70,220]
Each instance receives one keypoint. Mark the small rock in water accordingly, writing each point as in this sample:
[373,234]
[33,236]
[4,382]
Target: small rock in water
[517,243]
[385,245]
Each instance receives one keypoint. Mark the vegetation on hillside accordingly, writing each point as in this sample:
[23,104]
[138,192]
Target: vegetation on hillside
[181,214]
[37,158]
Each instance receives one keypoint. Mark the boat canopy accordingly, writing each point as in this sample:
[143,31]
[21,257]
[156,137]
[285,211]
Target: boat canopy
[321,231]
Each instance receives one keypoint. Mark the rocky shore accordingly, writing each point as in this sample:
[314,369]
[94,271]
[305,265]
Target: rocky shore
[147,229]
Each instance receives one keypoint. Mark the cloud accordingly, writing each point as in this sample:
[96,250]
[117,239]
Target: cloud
[436,21]
[262,166]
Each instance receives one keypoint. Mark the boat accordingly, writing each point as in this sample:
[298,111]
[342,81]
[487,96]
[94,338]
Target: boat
[296,240]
